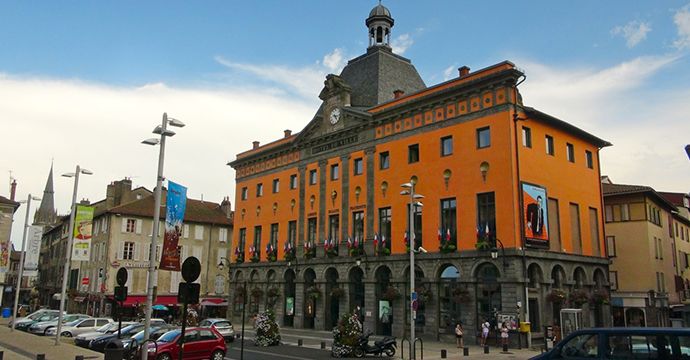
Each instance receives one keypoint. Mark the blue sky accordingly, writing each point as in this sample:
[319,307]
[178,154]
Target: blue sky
[238,71]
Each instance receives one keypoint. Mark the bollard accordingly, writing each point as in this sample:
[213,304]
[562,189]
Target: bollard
[486,349]
[466,351]
[40,356]
[299,342]
[323,345]
[443,354]
[505,348]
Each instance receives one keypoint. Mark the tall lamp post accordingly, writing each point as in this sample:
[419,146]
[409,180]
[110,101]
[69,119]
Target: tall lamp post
[163,131]
[18,288]
[68,252]
[221,266]
[409,190]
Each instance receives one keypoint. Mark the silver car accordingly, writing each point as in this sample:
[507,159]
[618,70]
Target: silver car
[223,326]
[84,339]
[83,326]
[41,328]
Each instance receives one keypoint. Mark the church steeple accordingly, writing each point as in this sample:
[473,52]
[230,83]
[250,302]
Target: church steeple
[46,214]
[379,23]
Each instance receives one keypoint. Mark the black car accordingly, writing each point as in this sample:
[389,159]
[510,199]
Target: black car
[133,344]
[99,343]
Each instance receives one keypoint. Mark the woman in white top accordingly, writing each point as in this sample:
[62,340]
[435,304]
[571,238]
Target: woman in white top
[485,332]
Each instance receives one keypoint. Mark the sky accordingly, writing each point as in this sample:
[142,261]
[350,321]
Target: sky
[85,82]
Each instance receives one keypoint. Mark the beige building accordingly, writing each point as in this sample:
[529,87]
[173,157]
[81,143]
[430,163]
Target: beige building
[7,209]
[681,234]
[641,247]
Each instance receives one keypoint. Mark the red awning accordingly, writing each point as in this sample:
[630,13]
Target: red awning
[160,300]
[214,302]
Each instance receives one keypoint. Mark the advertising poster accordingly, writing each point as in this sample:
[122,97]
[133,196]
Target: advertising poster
[385,311]
[4,256]
[33,250]
[536,221]
[289,306]
[81,239]
[176,203]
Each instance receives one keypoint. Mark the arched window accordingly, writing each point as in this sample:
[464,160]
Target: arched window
[379,35]
[384,318]
[451,296]
[580,278]
[488,293]
[289,296]
[535,276]
[558,277]
[309,303]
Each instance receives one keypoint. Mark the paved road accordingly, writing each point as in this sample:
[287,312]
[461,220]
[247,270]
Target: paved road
[281,352]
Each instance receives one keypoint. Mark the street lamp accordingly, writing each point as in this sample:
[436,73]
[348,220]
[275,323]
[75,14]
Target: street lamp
[21,259]
[409,190]
[494,252]
[68,254]
[221,267]
[163,131]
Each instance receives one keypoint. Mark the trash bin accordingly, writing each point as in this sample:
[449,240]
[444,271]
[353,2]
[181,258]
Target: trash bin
[114,350]
[6,312]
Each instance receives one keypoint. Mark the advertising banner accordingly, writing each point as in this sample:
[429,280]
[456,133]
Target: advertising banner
[81,240]
[33,250]
[4,256]
[175,208]
[536,222]
[289,306]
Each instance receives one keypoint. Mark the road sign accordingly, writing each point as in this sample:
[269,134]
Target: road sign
[121,276]
[85,281]
[191,268]
[414,296]
[415,305]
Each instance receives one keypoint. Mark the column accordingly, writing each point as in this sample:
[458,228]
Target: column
[370,304]
[370,192]
[320,305]
[299,304]
[300,218]
[345,210]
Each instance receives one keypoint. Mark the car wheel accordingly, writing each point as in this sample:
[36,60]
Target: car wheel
[66,334]
[45,332]
[217,355]
[165,356]
[390,351]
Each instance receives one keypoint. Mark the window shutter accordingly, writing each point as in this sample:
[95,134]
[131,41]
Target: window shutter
[197,252]
[158,255]
[174,283]
[121,251]
[147,252]
[139,223]
[124,224]
[185,231]
[136,251]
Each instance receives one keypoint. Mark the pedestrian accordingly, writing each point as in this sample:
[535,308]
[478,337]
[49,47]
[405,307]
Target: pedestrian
[504,334]
[485,332]
[458,335]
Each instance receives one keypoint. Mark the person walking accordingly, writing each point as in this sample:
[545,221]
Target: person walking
[504,334]
[485,332]
[458,335]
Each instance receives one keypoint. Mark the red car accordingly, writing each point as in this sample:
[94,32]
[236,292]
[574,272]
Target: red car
[199,343]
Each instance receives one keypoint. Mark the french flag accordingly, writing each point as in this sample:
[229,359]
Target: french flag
[448,235]
[376,240]
[349,242]
[439,236]
[407,240]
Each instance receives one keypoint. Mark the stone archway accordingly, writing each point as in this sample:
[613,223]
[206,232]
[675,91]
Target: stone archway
[289,296]
[385,299]
[333,295]
[310,310]
[488,293]
[451,297]
[356,291]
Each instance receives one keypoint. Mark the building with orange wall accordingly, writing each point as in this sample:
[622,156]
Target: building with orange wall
[321,226]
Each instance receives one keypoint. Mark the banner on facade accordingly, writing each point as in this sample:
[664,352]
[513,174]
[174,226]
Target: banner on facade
[4,256]
[176,202]
[289,306]
[33,250]
[536,221]
[81,239]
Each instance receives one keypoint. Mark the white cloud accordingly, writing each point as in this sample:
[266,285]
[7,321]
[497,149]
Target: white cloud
[100,127]
[648,127]
[450,72]
[334,61]
[401,43]
[633,32]
[682,20]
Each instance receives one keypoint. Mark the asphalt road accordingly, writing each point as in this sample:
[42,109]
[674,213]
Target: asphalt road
[282,352]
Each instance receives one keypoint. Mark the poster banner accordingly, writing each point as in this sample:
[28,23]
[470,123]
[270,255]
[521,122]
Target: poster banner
[176,202]
[33,250]
[4,256]
[81,241]
[385,312]
[289,306]
[536,222]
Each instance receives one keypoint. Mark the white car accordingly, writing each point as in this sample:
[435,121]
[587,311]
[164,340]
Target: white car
[42,328]
[84,339]
[82,326]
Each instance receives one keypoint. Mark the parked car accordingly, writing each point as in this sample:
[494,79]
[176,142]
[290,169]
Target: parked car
[83,340]
[199,343]
[622,343]
[223,326]
[26,323]
[99,343]
[133,344]
[33,316]
[41,328]
[83,326]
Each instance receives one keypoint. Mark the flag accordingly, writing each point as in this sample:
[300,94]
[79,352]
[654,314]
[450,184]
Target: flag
[486,232]
[376,240]
[356,241]
[440,238]
[407,240]
[349,242]
[448,235]
[383,241]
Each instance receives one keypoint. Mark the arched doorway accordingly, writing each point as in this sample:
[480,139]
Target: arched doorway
[601,293]
[309,301]
[333,294]
[557,284]
[356,292]
[635,317]
[289,296]
[535,278]
[271,290]
[384,307]
[451,298]
[580,278]
[424,295]
[488,294]
[255,292]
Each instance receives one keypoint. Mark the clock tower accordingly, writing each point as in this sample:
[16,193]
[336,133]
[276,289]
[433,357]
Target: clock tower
[335,95]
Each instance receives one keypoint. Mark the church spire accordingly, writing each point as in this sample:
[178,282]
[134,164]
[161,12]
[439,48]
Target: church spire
[379,23]
[46,214]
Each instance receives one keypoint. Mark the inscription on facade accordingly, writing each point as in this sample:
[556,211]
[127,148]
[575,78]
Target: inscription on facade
[334,144]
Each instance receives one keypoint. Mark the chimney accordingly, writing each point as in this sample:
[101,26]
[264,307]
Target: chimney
[13,189]
[397,94]
[464,71]
[255,144]
[226,207]
[287,132]
[85,202]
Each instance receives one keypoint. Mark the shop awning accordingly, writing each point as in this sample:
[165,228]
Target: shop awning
[160,300]
[214,302]
[79,299]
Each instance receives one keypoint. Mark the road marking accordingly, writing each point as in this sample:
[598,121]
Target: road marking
[271,354]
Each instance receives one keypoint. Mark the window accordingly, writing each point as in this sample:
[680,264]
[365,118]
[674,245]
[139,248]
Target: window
[128,250]
[446,146]
[554,225]
[199,232]
[486,214]
[131,225]
[311,230]
[625,212]
[358,168]
[661,249]
[385,228]
[293,181]
[611,246]
[276,185]
[384,160]
[245,193]
[608,213]
[594,231]
[656,249]
[413,153]
[333,228]
[570,152]
[334,172]
[223,235]
[526,137]
[257,239]
[312,177]
[483,137]
[259,189]
[185,231]
[292,232]
[613,280]
[575,237]
[588,157]
[449,220]
[358,226]
[274,236]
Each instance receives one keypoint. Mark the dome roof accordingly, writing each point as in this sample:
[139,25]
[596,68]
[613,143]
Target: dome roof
[379,10]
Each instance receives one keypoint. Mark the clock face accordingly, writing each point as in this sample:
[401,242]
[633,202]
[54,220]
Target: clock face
[335,116]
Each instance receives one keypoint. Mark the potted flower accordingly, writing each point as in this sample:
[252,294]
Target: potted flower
[313,292]
[330,248]
[354,248]
[578,298]
[556,296]
[271,252]
[337,292]
[254,255]
[289,252]
[309,250]
[381,247]
[239,255]
[257,293]
[424,294]
[484,239]
[446,243]
[599,297]
[391,293]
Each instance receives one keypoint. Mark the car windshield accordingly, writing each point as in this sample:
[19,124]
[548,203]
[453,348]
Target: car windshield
[139,337]
[36,316]
[170,336]
[106,327]
[132,328]
[73,323]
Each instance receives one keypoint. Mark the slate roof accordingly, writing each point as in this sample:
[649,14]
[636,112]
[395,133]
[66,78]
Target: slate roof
[675,198]
[6,201]
[375,75]
[558,123]
[622,189]
[197,211]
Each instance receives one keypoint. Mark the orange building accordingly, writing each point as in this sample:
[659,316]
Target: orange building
[322,225]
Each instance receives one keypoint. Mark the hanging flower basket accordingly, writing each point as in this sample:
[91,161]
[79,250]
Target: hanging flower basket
[599,297]
[239,255]
[257,293]
[556,296]
[424,294]
[309,250]
[313,292]
[337,293]
[272,296]
[578,298]
[461,295]
[391,293]
[289,254]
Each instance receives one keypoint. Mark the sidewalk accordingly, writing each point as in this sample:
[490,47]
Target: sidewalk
[21,345]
